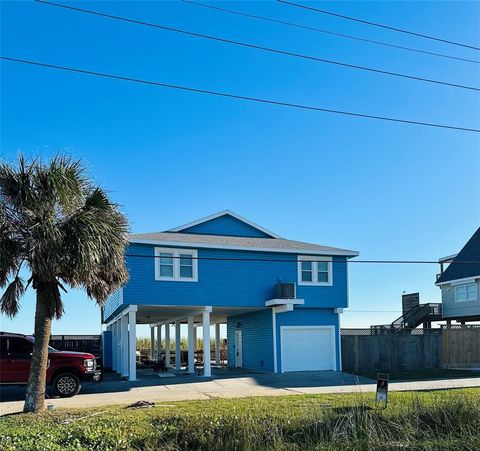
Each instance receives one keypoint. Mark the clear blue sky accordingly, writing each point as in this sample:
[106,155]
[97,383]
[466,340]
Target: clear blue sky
[169,157]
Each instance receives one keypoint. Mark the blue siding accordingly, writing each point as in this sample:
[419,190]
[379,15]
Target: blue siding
[257,340]
[107,349]
[114,301]
[229,282]
[307,317]
[226,225]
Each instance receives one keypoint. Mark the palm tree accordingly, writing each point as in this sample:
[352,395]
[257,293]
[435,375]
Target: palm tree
[60,228]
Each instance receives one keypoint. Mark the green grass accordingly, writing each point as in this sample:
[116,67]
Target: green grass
[440,420]
[420,375]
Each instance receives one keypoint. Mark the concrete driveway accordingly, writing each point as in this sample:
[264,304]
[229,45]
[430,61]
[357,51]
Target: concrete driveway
[224,384]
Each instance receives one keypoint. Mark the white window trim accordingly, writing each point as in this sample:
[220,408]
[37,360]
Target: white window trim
[176,264]
[466,285]
[314,260]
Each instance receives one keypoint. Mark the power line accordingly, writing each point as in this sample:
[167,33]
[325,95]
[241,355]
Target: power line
[333,33]
[375,24]
[369,311]
[284,260]
[259,47]
[237,96]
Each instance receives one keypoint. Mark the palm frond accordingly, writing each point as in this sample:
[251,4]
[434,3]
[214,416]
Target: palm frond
[61,183]
[97,199]
[16,185]
[53,218]
[10,249]
[96,237]
[10,301]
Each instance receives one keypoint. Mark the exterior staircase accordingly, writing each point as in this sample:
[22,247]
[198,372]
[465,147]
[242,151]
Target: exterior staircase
[421,314]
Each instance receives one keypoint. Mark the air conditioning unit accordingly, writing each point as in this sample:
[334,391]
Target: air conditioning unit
[285,291]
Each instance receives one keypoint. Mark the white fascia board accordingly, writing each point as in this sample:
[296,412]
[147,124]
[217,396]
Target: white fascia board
[459,281]
[242,248]
[223,213]
[275,302]
[447,259]
[130,308]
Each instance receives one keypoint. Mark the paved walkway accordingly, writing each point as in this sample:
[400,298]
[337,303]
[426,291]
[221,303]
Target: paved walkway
[228,385]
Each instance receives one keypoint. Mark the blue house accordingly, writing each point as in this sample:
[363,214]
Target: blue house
[280,299]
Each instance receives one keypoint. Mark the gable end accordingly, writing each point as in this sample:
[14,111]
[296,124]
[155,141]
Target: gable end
[225,223]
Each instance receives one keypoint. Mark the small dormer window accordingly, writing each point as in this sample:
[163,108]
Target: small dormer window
[466,293]
[314,270]
[176,264]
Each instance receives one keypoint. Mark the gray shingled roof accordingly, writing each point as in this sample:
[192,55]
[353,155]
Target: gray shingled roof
[272,244]
[464,265]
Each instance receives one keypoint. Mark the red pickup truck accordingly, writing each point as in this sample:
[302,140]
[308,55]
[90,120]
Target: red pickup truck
[65,369]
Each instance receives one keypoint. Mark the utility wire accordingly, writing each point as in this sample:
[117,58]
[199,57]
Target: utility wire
[347,310]
[236,96]
[333,33]
[375,24]
[284,260]
[259,47]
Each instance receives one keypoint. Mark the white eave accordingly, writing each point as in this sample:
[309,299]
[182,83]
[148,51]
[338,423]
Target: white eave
[223,213]
[278,302]
[188,244]
[447,259]
[454,282]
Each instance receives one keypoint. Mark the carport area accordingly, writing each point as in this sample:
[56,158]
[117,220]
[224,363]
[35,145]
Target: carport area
[161,318]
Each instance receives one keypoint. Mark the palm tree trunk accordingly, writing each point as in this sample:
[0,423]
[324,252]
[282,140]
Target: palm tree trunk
[34,400]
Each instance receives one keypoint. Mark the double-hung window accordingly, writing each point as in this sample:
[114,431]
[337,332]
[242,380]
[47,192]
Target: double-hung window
[176,264]
[466,293]
[313,270]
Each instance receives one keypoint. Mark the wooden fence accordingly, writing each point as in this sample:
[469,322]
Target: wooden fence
[415,349]
[77,343]
[461,348]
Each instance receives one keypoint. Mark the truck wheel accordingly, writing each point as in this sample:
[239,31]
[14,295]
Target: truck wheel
[66,385]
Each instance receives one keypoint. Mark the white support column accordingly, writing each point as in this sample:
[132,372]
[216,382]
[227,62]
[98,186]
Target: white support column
[167,345]
[152,342]
[159,342]
[114,346]
[191,346]
[217,344]
[118,347]
[207,367]
[124,341]
[178,352]
[132,345]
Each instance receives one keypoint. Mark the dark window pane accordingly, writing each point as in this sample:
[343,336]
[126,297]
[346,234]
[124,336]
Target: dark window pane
[186,271]
[186,259]
[19,346]
[322,266]
[166,270]
[323,276]
[306,266]
[306,276]
[166,258]
[3,347]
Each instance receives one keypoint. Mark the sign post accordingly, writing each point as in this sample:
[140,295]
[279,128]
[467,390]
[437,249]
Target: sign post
[382,388]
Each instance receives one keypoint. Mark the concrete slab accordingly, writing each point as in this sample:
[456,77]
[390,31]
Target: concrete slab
[226,384]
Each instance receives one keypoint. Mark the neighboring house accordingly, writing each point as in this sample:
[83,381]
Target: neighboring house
[460,282]
[280,299]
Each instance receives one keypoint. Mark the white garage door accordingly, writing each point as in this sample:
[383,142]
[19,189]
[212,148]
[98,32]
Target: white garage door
[307,348]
